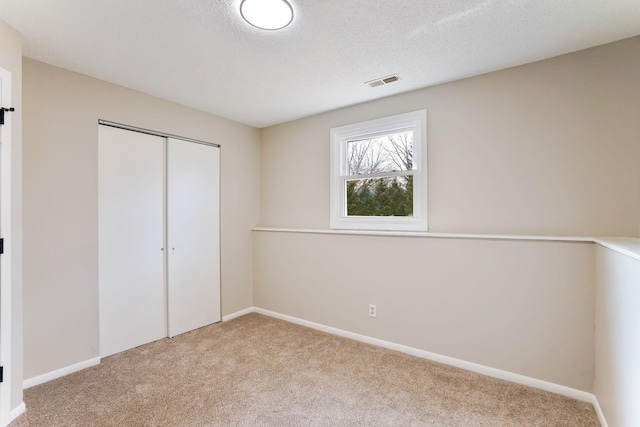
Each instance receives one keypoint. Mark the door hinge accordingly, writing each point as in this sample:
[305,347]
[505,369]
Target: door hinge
[1,374]
[1,246]
[2,110]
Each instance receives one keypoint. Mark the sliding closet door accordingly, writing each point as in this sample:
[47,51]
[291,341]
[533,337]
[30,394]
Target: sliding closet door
[193,217]
[130,233]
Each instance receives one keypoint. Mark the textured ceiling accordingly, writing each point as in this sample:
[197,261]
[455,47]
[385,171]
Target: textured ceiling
[201,53]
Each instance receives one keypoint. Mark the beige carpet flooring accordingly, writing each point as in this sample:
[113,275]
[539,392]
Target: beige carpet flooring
[259,371]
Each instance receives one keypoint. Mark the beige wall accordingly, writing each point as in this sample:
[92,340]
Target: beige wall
[11,60]
[523,307]
[617,338]
[60,195]
[549,148]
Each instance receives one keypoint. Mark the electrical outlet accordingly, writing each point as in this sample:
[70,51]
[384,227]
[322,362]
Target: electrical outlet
[372,310]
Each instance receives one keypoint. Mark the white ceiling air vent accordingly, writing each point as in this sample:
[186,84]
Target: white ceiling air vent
[383,80]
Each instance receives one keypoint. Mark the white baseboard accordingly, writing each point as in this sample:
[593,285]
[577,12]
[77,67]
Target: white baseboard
[469,366]
[596,405]
[17,411]
[40,379]
[238,314]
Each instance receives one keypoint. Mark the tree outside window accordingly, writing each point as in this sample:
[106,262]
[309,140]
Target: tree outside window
[378,174]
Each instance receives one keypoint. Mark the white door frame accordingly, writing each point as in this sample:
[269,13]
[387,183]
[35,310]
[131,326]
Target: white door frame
[5,259]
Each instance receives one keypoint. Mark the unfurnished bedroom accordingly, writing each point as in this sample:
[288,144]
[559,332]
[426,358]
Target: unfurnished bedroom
[319,213]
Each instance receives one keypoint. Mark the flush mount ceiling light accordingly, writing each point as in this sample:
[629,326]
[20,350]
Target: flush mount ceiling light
[267,14]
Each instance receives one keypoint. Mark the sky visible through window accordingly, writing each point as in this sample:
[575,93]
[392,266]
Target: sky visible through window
[388,153]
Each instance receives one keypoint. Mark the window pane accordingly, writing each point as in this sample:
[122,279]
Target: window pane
[388,196]
[388,153]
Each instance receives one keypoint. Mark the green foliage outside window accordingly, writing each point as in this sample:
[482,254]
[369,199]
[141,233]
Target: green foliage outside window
[380,197]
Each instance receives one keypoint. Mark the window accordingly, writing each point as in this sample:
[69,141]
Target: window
[378,174]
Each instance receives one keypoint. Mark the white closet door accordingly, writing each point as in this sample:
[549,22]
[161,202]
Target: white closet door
[130,232]
[193,217]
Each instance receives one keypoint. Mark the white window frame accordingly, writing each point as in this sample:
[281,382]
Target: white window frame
[340,136]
